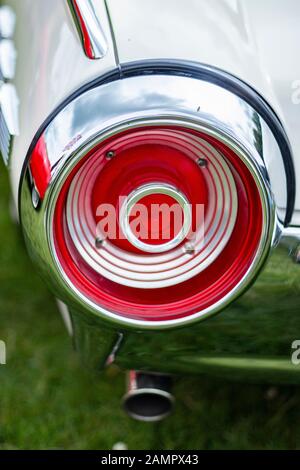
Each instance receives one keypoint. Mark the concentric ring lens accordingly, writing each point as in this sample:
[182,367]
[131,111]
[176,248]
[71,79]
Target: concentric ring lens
[158,223]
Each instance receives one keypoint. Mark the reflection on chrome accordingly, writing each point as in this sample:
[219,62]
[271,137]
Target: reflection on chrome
[132,103]
[89,26]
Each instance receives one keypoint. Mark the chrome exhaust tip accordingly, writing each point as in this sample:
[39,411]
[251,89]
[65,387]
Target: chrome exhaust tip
[148,397]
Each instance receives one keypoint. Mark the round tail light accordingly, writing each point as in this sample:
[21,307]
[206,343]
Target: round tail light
[155,221]
[214,211]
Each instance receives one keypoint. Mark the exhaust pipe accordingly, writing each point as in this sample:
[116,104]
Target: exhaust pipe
[148,397]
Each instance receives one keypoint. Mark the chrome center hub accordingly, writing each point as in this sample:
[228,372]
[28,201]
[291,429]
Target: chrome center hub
[154,217]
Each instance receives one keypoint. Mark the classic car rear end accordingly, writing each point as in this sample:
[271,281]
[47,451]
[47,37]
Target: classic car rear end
[153,155]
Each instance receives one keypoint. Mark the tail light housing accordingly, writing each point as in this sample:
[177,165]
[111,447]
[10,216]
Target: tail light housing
[149,142]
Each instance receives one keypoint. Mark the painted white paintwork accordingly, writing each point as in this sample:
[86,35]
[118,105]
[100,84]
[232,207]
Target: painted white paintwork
[255,40]
[50,66]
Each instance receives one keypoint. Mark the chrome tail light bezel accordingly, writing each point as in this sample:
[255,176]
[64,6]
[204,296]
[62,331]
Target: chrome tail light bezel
[152,100]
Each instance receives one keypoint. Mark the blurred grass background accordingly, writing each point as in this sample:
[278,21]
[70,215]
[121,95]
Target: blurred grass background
[48,400]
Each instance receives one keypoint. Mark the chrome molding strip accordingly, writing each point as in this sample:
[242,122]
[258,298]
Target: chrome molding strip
[113,36]
[89,27]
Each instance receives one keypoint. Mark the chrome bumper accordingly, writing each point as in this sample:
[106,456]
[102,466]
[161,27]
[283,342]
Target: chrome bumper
[251,340]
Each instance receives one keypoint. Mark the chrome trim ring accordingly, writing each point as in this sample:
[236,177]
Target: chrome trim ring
[117,106]
[147,190]
[145,391]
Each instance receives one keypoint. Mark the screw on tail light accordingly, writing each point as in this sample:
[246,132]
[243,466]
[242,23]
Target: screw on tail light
[137,154]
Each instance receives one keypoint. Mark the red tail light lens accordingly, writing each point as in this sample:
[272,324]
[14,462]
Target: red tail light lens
[186,265]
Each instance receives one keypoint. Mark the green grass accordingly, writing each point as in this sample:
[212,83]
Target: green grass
[48,401]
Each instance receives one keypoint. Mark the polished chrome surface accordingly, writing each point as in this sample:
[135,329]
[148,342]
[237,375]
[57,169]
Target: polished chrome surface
[263,249]
[129,103]
[148,397]
[88,23]
[134,199]
[250,341]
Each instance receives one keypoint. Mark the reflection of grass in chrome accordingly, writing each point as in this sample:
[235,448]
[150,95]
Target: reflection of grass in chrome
[47,400]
